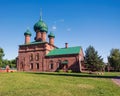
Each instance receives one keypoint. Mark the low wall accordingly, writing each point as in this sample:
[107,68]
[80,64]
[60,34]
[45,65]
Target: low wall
[11,70]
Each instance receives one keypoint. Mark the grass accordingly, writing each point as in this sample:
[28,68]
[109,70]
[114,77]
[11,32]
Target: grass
[58,84]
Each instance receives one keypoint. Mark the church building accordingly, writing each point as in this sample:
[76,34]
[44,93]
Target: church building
[43,56]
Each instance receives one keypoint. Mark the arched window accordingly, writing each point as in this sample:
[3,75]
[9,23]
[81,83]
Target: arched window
[31,57]
[37,65]
[37,56]
[21,65]
[31,66]
[59,63]
[51,66]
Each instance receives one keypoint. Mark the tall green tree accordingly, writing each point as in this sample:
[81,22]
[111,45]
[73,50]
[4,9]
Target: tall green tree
[93,61]
[1,56]
[114,59]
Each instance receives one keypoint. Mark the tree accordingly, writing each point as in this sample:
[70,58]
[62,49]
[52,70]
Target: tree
[114,59]
[4,63]
[1,56]
[11,63]
[93,61]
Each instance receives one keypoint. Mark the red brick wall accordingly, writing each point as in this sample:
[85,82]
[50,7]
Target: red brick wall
[24,55]
[73,63]
[24,62]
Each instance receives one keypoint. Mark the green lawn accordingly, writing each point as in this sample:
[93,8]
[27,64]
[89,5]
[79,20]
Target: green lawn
[57,84]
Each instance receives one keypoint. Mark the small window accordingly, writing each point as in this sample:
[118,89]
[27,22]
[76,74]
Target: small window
[58,64]
[31,66]
[51,66]
[37,65]
[31,57]
[37,56]
[22,65]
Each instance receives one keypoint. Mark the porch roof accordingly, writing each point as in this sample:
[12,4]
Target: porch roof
[64,62]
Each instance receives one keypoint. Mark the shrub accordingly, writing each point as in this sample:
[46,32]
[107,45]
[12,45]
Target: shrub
[69,71]
[60,71]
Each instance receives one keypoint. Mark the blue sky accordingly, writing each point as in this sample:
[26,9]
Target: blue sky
[78,22]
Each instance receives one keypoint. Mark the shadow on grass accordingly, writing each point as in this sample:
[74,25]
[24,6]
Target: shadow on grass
[74,74]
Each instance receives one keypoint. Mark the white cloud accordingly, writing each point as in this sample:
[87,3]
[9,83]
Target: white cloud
[54,27]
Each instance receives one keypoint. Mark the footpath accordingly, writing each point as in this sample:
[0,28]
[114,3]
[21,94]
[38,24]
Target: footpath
[116,80]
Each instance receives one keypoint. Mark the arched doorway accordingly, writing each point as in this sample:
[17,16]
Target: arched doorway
[65,65]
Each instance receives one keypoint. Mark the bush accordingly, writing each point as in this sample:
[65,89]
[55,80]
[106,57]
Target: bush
[60,71]
[69,71]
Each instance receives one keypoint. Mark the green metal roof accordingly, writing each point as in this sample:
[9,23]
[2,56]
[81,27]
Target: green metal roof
[27,32]
[37,42]
[64,62]
[41,25]
[64,51]
[32,43]
[51,35]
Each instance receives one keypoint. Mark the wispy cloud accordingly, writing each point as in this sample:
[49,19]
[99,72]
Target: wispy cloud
[57,23]
[54,27]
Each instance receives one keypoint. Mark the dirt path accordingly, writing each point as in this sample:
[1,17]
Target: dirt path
[116,80]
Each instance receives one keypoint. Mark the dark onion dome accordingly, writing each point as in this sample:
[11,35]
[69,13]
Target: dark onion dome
[41,26]
[51,35]
[27,32]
